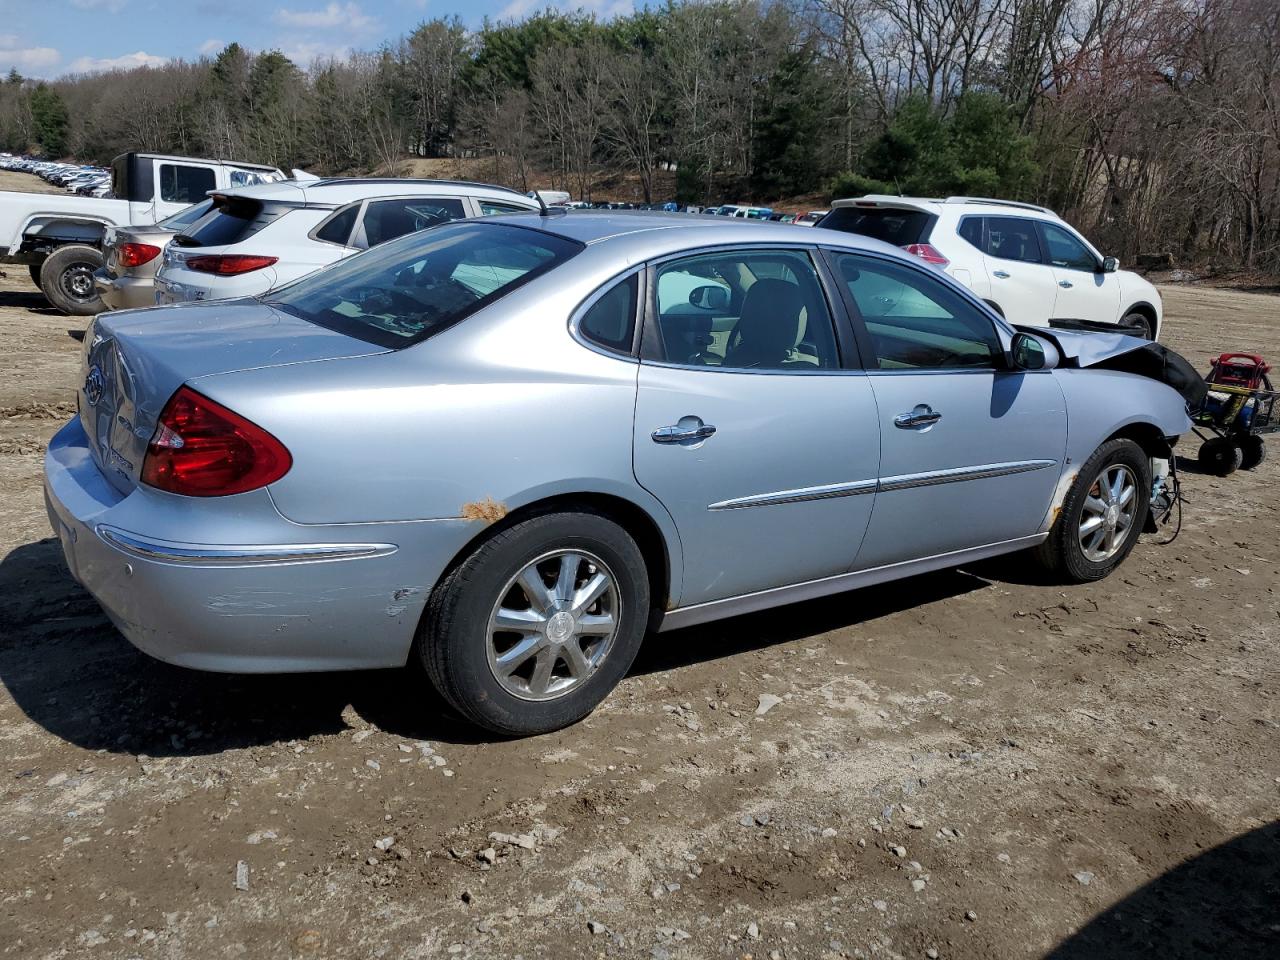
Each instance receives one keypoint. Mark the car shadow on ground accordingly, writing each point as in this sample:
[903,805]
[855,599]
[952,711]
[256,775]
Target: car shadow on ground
[33,301]
[1224,904]
[70,671]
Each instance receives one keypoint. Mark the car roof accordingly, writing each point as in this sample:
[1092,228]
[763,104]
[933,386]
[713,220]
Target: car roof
[647,233]
[338,191]
[938,205]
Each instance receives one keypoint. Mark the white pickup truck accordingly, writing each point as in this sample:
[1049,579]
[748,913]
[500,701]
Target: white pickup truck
[60,238]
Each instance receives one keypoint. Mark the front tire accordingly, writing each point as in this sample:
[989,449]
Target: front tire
[1102,515]
[66,277]
[538,624]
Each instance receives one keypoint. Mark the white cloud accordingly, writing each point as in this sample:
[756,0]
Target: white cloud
[346,16]
[127,62]
[212,46]
[111,6]
[603,9]
[33,60]
[305,54]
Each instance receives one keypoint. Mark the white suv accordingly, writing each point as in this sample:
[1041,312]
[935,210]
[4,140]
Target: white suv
[1023,260]
[258,238]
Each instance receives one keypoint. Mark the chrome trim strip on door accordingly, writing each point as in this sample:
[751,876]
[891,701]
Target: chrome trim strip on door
[812,589]
[800,495]
[888,484]
[165,551]
[984,471]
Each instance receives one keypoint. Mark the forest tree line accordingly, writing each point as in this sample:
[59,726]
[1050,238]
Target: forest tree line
[1153,124]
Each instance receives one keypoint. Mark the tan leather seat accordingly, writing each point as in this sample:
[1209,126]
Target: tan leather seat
[770,327]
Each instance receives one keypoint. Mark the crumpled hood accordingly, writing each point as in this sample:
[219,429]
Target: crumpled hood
[1084,348]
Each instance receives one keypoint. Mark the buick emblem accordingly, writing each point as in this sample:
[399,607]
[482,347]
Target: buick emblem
[94,385]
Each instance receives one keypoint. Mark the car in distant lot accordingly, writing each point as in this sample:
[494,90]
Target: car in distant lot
[507,447]
[811,218]
[126,280]
[1024,260]
[60,238]
[259,238]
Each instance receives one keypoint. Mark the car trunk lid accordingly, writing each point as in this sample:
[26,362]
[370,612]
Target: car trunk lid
[135,360]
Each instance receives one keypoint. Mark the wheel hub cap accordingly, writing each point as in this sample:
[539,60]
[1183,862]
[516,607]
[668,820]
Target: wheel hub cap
[1110,508]
[561,627]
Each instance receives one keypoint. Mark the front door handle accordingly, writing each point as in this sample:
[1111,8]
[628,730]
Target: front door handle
[921,417]
[1066,284]
[1000,273]
[688,430]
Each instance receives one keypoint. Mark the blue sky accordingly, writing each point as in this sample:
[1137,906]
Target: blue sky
[49,38]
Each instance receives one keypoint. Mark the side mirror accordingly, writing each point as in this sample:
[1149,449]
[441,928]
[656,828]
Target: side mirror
[1110,264]
[1032,353]
[709,297]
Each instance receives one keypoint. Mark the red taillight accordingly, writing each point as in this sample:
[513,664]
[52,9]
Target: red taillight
[229,264]
[928,253]
[202,449]
[135,254]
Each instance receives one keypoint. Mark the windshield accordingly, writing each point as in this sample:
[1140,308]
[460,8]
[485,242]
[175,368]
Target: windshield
[406,290]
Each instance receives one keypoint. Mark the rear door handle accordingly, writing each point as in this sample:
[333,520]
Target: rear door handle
[1066,284]
[688,430]
[1000,273]
[920,417]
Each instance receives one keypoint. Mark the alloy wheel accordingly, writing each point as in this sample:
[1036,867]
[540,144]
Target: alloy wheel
[553,625]
[1108,513]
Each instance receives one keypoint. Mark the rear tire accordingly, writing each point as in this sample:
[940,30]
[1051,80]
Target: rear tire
[1141,323]
[66,277]
[495,677]
[1069,552]
[1221,457]
[1253,451]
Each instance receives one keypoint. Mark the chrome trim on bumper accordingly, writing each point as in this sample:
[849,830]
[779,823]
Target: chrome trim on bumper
[884,485]
[199,554]
[827,492]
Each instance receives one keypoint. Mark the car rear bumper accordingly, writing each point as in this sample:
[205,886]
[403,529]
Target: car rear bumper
[179,285]
[311,601]
[124,293]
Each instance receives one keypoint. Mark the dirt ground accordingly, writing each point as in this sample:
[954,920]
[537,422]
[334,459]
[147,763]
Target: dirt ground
[968,764]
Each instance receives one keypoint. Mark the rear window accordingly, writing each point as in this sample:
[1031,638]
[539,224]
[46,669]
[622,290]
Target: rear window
[898,227]
[404,291]
[185,217]
[232,220]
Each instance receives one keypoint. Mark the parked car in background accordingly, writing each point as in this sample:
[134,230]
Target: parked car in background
[552,198]
[60,239]
[1024,260]
[259,238]
[753,213]
[811,218]
[126,280]
[370,465]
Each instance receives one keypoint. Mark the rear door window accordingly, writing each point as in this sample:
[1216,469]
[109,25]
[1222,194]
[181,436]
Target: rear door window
[183,184]
[385,220]
[1013,238]
[745,310]
[898,227]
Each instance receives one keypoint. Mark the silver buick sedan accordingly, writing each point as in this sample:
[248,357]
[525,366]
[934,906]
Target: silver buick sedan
[512,448]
